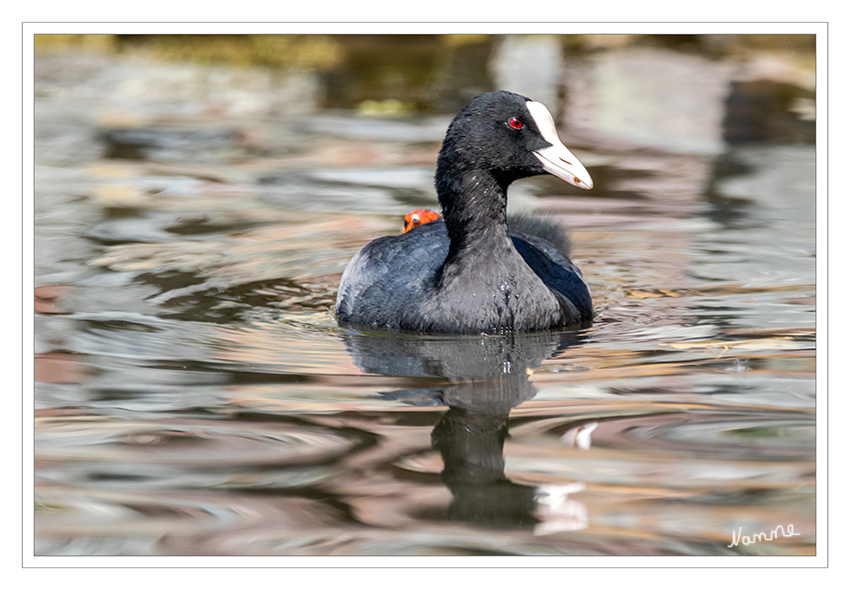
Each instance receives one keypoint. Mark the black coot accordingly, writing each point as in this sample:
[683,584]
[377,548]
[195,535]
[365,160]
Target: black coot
[468,273]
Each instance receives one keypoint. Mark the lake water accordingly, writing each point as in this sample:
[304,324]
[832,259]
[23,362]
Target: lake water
[194,394]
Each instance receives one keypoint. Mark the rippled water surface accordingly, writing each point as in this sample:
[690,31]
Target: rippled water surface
[195,396]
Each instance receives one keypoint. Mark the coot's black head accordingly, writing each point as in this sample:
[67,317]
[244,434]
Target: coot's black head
[509,136]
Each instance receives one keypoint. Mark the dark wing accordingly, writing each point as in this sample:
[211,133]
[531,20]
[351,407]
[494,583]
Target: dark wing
[558,273]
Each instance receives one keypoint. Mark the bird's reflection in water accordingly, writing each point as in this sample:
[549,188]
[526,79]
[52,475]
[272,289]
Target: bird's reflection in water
[484,378]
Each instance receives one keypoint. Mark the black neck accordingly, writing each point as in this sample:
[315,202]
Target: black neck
[474,208]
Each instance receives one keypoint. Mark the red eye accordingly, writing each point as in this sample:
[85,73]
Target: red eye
[515,123]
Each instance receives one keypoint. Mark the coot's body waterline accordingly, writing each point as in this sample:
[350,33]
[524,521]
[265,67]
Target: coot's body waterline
[468,273]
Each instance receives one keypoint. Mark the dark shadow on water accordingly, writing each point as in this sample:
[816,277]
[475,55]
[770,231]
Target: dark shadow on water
[485,377]
[154,143]
[420,71]
[192,297]
[761,111]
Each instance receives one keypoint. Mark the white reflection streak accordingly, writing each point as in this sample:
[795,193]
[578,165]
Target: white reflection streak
[580,435]
[557,511]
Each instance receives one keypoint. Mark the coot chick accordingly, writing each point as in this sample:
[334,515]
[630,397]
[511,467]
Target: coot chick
[418,217]
[468,273]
